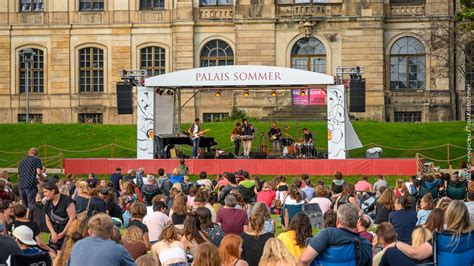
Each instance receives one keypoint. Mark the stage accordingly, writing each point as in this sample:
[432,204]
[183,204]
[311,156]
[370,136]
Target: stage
[400,167]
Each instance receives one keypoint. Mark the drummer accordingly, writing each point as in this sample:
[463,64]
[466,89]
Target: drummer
[307,136]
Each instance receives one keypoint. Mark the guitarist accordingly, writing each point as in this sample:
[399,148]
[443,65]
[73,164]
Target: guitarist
[274,136]
[235,137]
[247,131]
[195,135]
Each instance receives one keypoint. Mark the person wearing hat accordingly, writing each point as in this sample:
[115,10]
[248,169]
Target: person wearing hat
[24,236]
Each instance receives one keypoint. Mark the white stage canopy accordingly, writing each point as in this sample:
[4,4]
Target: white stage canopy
[239,76]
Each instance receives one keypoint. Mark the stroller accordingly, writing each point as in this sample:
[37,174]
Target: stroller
[368,201]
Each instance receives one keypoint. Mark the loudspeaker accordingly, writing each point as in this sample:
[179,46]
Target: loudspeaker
[225,155]
[357,96]
[258,155]
[323,155]
[274,155]
[208,155]
[124,98]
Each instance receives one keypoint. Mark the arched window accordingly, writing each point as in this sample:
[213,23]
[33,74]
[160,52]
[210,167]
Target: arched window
[217,53]
[152,59]
[470,64]
[36,73]
[407,64]
[309,54]
[91,70]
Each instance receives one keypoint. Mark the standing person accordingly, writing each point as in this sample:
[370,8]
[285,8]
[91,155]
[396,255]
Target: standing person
[60,212]
[235,137]
[274,136]
[116,179]
[254,239]
[98,249]
[194,133]
[403,219]
[29,168]
[182,167]
[247,130]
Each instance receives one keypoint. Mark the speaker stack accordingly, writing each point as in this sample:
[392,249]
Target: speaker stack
[357,96]
[124,98]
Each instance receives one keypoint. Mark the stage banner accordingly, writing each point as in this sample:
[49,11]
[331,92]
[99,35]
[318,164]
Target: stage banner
[316,96]
[145,123]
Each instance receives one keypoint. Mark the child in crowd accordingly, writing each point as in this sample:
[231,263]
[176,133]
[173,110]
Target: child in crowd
[426,205]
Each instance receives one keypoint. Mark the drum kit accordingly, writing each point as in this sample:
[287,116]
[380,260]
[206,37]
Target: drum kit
[297,150]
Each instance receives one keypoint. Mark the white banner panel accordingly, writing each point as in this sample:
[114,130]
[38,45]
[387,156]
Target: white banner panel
[336,104]
[145,123]
[164,114]
[239,76]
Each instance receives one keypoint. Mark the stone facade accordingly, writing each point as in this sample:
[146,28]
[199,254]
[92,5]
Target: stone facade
[260,32]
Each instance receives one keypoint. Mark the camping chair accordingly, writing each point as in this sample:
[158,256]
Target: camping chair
[292,211]
[448,249]
[341,255]
[456,191]
[314,213]
[424,190]
[31,260]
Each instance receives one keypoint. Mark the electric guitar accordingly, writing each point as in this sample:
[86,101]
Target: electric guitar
[199,134]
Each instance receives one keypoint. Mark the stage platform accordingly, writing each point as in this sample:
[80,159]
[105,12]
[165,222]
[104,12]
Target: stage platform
[254,166]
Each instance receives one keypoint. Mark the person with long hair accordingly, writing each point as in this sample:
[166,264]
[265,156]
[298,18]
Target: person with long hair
[179,211]
[435,221]
[269,224]
[294,201]
[230,251]
[403,219]
[169,250]
[192,235]
[295,238]
[129,196]
[214,232]
[426,205]
[138,212]
[385,205]
[132,240]
[207,255]
[420,235]
[6,214]
[458,222]
[275,253]
[321,198]
[254,239]
[75,232]
[348,195]
[84,201]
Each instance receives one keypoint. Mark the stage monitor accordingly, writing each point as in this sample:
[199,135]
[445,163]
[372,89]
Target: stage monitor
[124,98]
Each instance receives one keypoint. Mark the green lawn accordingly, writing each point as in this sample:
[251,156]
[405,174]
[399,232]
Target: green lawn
[80,140]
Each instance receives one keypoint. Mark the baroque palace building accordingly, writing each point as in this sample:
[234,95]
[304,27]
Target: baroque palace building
[81,47]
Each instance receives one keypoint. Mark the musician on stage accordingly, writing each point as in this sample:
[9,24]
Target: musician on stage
[194,131]
[274,137]
[309,151]
[247,131]
[307,136]
[235,137]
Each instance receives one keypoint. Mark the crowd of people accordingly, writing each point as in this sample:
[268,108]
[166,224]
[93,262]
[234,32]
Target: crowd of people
[232,219]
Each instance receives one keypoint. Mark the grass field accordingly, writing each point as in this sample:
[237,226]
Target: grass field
[81,140]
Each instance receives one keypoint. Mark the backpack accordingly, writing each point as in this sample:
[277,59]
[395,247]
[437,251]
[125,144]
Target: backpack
[225,191]
[164,185]
[247,193]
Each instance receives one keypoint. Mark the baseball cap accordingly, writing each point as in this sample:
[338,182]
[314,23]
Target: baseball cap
[25,235]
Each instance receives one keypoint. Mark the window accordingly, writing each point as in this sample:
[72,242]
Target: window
[35,73]
[217,53]
[91,70]
[31,5]
[309,54]
[408,117]
[34,118]
[216,2]
[407,64]
[470,64]
[91,5]
[152,59]
[214,117]
[152,4]
[91,118]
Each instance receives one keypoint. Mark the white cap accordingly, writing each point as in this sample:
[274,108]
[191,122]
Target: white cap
[25,235]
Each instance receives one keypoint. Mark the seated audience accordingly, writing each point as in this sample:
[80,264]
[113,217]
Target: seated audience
[146,260]
[24,237]
[9,246]
[379,184]
[150,189]
[169,250]
[262,209]
[266,195]
[329,219]
[275,253]
[346,231]
[293,204]
[85,204]
[386,235]
[348,196]
[138,212]
[470,200]
[363,226]
[426,205]
[435,221]
[77,231]
[298,232]
[156,220]
[214,231]
[230,251]
[231,219]
[384,205]
[132,240]
[207,255]
[192,235]
[254,239]
[202,200]
[98,249]
[337,183]
[322,198]
[179,210]
[403,219]
[363,185]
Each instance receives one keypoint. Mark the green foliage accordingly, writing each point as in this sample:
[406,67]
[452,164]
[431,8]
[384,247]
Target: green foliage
[465,16]
[236,114]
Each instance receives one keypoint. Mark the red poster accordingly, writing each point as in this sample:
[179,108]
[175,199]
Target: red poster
[314,97]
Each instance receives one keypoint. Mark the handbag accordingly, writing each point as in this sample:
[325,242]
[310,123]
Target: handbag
[83,215]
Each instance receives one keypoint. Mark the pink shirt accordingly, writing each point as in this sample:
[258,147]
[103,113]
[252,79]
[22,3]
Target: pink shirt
[363,186]
[155,222]
[324,203]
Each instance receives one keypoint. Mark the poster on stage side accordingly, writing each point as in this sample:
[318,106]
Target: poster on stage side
[145,123]
[336,108]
